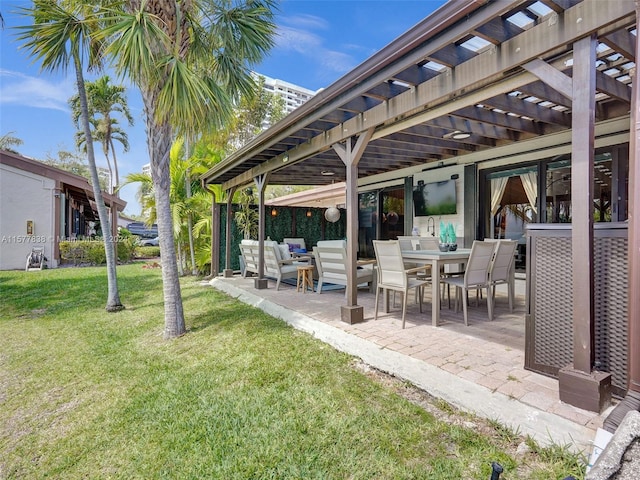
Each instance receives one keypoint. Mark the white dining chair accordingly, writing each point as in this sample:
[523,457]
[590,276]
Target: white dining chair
[476,276]
[428,243]
[392,274]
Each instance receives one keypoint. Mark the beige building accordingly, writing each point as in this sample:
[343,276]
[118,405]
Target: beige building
[40,206]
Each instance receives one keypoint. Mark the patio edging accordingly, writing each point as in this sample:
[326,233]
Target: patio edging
[546,428]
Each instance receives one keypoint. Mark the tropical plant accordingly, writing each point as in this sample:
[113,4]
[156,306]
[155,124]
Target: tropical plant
[61,33]
[247,216]
[8,141]
[189,59]
[190,204]
[104,99]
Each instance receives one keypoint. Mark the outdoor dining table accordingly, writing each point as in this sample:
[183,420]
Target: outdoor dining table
[436,259]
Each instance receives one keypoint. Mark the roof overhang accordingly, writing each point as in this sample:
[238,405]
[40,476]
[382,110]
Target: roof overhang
[62,178]
[478,70]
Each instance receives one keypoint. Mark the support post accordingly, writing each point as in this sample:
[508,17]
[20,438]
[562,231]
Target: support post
[631,402]
[215,235]
[350,155]
[228,271]
[579,385]
[261,283]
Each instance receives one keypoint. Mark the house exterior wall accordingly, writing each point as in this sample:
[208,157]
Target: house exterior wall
[25,196]
[457,219]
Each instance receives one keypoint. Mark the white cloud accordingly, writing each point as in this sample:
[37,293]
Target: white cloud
[19,89]
[297,34]
[306,22]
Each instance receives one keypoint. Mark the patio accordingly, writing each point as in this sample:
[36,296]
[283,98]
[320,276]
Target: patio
[478,368]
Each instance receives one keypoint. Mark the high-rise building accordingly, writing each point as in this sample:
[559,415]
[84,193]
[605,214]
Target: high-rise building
[293,95]
[146,169]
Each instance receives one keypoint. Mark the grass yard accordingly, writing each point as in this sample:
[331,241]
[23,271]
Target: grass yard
[90,394]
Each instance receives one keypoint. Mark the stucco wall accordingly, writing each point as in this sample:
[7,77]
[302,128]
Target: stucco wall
[25,196]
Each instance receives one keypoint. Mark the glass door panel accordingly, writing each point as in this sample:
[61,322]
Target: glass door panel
[367,223]
[558,192]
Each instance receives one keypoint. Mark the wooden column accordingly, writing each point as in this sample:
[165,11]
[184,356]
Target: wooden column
[228,271]
[634,228]
[579,385]
[261,183]
[350,155]
[215,235]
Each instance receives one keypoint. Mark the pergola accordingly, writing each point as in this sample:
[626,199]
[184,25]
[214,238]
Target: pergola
[474,81]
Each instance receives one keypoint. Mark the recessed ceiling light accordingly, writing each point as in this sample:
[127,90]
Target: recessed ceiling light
[327,173]
[457,135]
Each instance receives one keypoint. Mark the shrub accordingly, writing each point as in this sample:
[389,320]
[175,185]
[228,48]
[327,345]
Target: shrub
[92,251]
[146,252]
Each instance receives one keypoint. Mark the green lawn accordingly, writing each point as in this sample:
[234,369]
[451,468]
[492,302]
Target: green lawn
[90,394]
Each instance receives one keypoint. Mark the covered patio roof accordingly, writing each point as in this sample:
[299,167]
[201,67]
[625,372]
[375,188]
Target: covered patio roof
[483,81]
[471,77]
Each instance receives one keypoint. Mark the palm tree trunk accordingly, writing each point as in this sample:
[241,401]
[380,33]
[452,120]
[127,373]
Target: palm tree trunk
[160,138]
[105,150]
[113,297]
[115,168]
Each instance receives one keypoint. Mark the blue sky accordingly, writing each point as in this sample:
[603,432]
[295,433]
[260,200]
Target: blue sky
[318,42]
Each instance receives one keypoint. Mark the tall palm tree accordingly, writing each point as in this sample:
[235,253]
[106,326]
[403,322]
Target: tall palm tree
[104,99]
[189,58]
[61,34]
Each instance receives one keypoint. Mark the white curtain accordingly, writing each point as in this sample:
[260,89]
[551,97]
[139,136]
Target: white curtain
[498,186]
[530,184]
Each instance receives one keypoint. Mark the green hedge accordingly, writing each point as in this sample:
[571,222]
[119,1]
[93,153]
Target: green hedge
[92,251]
[146,252]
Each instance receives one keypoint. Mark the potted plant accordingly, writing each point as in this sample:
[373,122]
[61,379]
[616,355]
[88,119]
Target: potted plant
[443,237]
[451,237]
[448,239]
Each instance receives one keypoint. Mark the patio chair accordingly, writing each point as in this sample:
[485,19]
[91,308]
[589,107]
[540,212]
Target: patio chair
[392,275]
[502,269]
[279,268]
[476,276]
[249,252]
[422,271]
[331,263]
[428,243]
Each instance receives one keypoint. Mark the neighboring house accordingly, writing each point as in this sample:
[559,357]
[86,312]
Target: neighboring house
[41,205]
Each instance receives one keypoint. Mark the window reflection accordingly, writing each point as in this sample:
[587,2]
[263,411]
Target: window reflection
[558,192]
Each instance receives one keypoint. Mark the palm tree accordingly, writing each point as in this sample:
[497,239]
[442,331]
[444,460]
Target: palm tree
[60,34]
[104,99]
[8,141]
[189,58]
[186,198]
[106,135]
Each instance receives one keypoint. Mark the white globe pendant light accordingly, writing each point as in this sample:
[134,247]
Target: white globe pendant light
[332,214]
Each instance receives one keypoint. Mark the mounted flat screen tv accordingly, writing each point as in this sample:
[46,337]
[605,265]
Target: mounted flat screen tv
[437,198]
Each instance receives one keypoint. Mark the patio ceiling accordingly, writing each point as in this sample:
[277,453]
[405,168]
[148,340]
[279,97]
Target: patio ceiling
[472,67]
